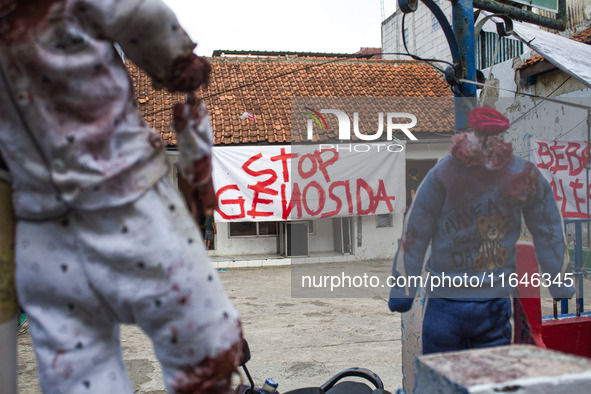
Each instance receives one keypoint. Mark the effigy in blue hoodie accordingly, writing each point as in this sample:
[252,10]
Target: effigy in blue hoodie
[468,210]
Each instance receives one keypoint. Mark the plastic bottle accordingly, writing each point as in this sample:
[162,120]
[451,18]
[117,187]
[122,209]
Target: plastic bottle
[270,387]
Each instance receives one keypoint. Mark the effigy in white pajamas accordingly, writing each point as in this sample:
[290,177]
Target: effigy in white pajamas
[102,237]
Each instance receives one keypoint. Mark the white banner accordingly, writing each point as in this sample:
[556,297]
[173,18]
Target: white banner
[273,183]
[564,165]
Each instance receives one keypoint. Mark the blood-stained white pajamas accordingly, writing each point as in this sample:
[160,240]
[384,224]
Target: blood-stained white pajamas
[102,237]
[141,263]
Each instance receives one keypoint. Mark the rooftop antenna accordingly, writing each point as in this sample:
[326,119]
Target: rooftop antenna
[383,11]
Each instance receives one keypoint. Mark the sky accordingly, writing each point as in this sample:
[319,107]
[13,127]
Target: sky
[337,26]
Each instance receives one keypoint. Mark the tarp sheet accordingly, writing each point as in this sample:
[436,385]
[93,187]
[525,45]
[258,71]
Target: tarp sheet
[572,57]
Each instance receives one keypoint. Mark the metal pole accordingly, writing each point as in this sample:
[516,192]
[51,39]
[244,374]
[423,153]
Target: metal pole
[588,166]
[525,16]
[8,308]
[578,266]
[463,27]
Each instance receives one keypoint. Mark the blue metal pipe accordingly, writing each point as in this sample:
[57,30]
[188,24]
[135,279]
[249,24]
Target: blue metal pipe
[579,264]
[463,27]
[460,39]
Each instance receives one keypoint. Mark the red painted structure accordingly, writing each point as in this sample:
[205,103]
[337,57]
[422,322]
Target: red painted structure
[568,333]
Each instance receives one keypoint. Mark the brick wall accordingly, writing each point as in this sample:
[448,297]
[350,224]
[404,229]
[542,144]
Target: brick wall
[425,38]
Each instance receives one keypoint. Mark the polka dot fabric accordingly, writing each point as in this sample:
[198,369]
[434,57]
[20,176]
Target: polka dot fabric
[142,263]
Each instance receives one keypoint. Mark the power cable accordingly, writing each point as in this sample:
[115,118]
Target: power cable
[415,57]
[307,67]
[540,102]
[557,137]
[580,106]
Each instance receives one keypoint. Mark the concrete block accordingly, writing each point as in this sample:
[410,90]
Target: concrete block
[255,263]
[522,369]
[232,264]
[314,260]
[279,262]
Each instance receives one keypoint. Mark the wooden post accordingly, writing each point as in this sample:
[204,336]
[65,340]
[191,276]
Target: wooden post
[412,339]
[8,303]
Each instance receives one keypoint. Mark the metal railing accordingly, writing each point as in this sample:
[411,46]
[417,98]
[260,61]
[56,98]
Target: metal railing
[579,270]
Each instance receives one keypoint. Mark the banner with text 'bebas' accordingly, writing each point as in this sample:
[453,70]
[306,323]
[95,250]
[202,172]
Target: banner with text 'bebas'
[564,165]
[292,182]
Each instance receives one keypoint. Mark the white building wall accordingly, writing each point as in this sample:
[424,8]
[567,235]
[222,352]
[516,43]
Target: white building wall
[427,149]
[425,38]
[322,240]
[428,41]
[226,245]
[378,242]
[535,117]
[382,242]
[241,246]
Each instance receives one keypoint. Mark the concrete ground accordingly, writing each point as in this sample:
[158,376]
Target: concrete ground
[297,337]
[298,342]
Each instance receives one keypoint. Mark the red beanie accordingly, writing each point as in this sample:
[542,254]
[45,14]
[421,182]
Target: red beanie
[488,120]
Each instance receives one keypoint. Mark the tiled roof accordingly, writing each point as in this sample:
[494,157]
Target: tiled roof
[376,52]
[584,37]
[291,54]
[531,61]
[240,85]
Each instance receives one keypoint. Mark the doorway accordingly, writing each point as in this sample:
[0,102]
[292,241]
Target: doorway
[342,235]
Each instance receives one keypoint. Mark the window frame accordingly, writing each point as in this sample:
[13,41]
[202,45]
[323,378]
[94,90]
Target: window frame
[257,229]
[391,220]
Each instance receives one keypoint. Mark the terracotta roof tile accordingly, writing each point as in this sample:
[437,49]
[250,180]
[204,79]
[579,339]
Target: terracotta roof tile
[584,36]
[252,85]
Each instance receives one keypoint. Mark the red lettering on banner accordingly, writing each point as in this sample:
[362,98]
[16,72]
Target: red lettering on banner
[544,151]
[270,175]
[562,195]
[337,200]
[307,174]
[576,185]
[576,155]
[295,200]
[284,157]
[260,187]
[556,149]
[239,201]
[324,164]
[349,198]
[321,198]
[257,200]
[567,161]
[556,157]
[363,184]
[317,162]
[381,195]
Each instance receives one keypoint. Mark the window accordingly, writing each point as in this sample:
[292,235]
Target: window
[241,229]
[250,229]
[267,228]
[385,220]
[492,49]
[311,229]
